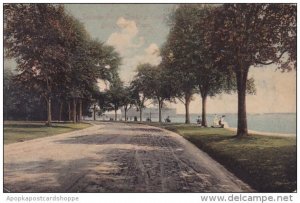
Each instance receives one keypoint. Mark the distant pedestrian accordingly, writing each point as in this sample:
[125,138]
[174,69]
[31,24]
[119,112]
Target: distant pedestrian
[199,121]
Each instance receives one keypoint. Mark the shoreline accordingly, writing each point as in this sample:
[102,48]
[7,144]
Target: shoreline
[266,133]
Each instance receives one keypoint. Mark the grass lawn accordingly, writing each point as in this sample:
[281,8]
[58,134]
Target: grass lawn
[268,164]
[18,131]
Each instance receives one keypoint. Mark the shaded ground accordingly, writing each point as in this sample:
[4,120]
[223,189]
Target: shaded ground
[268,163]
[114,157]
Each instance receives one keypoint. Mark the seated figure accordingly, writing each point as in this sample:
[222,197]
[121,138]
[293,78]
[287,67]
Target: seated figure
[199,121]
[219,122]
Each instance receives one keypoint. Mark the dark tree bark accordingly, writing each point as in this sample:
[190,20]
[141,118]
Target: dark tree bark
[60,110]
[74,110]
[141,114]
[204,121]
[159,110]
[116,117]
[187,109]
[125,112]
[49,117]
[242,114]
[94,112]
[80,110]
[69,110]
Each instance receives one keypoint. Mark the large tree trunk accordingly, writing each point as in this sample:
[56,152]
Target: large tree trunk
[94,112]
[69,110]
[187,110]
[80,110]
[242,114]
[141,114]
[49,119]
[204,121]
[116,117]
[74,110]
[125,112]
[60,110]
[159,111]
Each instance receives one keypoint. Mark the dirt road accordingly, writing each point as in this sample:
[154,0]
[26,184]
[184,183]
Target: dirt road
[114,157]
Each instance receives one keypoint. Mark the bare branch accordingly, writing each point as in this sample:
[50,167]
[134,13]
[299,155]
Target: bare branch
[268,63]
[181,100]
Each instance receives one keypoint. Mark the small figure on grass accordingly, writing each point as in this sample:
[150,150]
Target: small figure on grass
[168,120]
[199,121]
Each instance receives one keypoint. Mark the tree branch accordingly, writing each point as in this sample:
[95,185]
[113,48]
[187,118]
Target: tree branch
[181,100]
[268,63]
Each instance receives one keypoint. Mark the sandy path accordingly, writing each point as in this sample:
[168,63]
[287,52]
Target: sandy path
[114,157]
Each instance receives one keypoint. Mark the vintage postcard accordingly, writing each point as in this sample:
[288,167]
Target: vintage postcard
[150,98]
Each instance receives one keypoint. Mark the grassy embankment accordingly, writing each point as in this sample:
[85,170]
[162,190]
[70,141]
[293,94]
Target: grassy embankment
[266,163]
[15,131]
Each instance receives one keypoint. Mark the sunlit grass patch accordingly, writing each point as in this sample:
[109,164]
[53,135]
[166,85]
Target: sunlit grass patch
[22,131]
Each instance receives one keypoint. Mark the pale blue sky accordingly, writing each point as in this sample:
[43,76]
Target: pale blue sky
[100,19]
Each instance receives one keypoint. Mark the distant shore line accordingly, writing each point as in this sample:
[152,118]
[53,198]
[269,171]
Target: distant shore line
[277,134]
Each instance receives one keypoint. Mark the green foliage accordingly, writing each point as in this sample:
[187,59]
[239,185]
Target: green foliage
[189,53]
[128,99]
[39,37]
[256,34]
[139,91]
[115,95]
[19,103]
[253,35]
[189,57]
[154,82]
[57,59]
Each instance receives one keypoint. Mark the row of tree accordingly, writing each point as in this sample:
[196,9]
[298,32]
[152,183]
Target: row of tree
[57,61]
[210,49]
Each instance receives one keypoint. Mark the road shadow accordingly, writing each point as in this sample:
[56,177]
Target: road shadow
[146,140]
[123,170]
[97,139]
[46,175]
[138,129]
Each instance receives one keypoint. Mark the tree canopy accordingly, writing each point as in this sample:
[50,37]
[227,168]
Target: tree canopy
[153,83]
[54,53]
[209,50]
[190,56]
[254,35]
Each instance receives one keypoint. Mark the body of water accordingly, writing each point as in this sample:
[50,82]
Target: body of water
[270,122]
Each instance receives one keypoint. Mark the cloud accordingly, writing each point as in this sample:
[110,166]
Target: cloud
[129,44]
[152,49]
[127,37]
[149,55]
